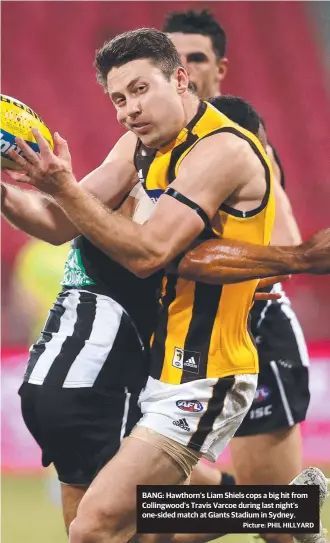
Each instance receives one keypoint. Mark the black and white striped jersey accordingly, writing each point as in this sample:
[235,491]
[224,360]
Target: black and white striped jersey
[89,268]
[88,341]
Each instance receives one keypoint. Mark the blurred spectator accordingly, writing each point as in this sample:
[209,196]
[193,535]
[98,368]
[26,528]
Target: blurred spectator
[35,282]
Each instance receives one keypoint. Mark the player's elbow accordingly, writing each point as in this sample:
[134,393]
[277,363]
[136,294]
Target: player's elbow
[153,258]
[55,234]
[54,241]
[54,238]
[143,272]
[146,267]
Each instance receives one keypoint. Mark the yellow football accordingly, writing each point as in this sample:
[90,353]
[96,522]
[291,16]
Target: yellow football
[17,119]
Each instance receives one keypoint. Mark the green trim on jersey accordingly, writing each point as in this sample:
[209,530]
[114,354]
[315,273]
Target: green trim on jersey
[74,271]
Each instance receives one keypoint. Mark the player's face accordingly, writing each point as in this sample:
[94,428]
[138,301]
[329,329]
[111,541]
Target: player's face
[199,59]
[147,103]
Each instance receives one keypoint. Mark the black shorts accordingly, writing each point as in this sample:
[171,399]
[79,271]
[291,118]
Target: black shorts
[78,430]
[81,387]
[282,396]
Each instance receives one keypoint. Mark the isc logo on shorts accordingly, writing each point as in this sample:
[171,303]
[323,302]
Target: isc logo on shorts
[186,360]
[193,406]
[261,412]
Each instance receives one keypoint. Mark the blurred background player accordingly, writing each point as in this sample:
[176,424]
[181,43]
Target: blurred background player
[267,449]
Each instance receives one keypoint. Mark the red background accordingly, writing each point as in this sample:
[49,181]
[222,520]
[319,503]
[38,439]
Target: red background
[274,62]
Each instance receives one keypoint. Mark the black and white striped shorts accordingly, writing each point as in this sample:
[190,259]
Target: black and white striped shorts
[82,384]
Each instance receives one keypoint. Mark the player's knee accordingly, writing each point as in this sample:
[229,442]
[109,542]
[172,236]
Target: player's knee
[98,527]
[75,532]
[81,532]
[86,531]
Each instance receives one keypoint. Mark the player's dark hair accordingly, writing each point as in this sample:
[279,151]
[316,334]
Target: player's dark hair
[198,22]
[238,110]
[143,43]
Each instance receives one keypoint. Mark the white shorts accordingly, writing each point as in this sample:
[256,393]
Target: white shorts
[203,414]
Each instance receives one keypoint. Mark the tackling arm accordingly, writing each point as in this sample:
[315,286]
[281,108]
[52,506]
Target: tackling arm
[40,216]
[218,261]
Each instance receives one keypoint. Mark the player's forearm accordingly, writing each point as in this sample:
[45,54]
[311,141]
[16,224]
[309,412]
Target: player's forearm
[32,212]
[115,235]
[24,209]
[228,261]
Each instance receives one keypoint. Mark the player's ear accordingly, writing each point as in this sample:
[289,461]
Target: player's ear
[182,80]
[222,68]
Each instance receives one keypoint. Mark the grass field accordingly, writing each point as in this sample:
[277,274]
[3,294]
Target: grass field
[29,516]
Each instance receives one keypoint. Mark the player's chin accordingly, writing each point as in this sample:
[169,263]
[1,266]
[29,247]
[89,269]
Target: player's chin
[150,139]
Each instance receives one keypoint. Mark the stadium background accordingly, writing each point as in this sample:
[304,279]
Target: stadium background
[280,61]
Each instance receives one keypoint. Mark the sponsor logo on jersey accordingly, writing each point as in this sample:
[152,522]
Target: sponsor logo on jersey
[186,360]
[193,406]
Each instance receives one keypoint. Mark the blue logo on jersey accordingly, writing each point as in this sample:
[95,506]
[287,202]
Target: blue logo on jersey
[154,194]
[262,393]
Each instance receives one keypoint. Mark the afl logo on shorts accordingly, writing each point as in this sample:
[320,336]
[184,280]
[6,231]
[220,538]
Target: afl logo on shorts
[193,406]
[262,393]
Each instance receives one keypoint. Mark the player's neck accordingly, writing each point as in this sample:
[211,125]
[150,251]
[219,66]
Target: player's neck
[216,92]
[215,95]
[191,104]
